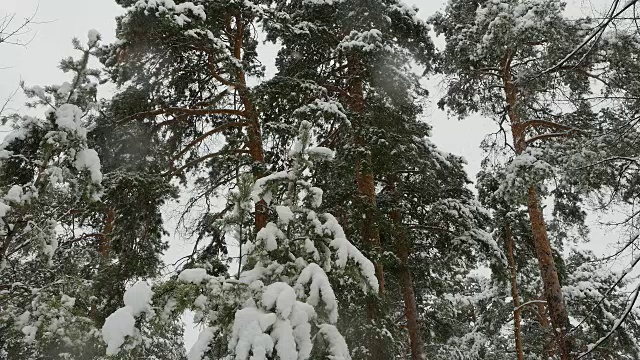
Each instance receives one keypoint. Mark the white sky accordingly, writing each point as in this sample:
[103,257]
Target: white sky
[61,20]
[65,19]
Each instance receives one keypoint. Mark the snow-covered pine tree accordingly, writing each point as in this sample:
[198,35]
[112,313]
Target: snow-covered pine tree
[593,302]
[441,235]
[283,305]
[183,69]
[128,219]
[48,174]
[78,231]
[357,53]
[495,57]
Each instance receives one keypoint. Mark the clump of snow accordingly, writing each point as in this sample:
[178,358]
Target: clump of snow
[121,324]
[37,91]
[94,37]
[279,296]
[319,288]
[68,301]
[248,334]
[202,345]
[14,194]
[4,209]
[345,250]
[116,328]
[281,324]
[269,234]
[338,349]
[316,196]
[322,152]
[29,332]
[89,159]
[138,298]
[64,89]
[195,276]
[68,117]
[284,214]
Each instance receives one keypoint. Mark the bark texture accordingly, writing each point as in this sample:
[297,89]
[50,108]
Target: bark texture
[104,246]
[406,282]
[366,191]
[546,262]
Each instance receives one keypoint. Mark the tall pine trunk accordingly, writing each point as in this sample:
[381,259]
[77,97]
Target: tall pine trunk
[367,193]
[364,175]
[406,281]
[544,254]
[514,292]
[256,150]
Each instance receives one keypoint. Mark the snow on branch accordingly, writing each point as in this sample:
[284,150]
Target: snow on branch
[618,322]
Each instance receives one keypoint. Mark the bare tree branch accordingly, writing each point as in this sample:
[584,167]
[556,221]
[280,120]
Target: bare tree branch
[14,34]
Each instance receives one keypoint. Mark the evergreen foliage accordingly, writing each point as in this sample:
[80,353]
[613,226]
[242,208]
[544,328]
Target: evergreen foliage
[324,221]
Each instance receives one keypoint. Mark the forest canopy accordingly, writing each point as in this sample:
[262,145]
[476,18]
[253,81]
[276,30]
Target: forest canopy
[323,220]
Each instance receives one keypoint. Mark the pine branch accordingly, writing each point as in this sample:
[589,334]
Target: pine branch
[595,33]
[203,158]
[545,123]
[616,324]
[185,111]
[546,137]
[532,302]
[215,130]
[611,288]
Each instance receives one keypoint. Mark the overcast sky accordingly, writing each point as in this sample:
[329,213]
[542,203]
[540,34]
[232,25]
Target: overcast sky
[61,20]
[58,21]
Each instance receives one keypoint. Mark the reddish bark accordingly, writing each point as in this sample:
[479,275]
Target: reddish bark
[255,136]
[550,280]
[366,191]
[406,282]
[544,254]
[370,232]
[364,175]
[543,317]
[104,245]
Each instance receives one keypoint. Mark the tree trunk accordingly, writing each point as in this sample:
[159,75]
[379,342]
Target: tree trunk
[367,193]
[370,233]
[255,135]
[104,246]
[364,176]
[544,323]
[550,281]
[406,282]
[546,262]
[514,293]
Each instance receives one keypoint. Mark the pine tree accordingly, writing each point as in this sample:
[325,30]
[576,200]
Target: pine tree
[183,72]
[358,54]
[495,55]
[48,174]
[290,269]
[79,229]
